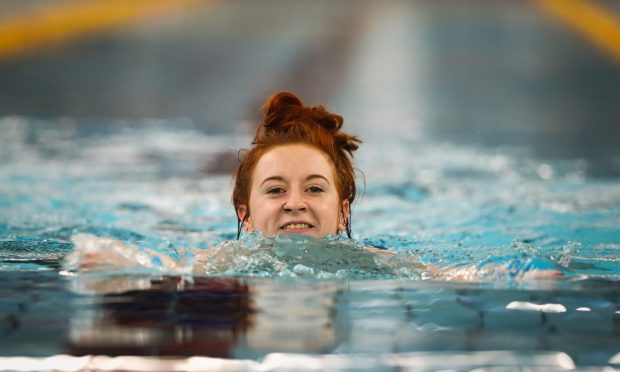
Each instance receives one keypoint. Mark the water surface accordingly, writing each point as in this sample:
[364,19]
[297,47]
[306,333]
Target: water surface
[151,185]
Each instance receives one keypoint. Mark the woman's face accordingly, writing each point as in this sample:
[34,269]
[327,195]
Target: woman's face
[294,191]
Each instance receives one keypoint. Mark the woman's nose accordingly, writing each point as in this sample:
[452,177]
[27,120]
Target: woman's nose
[295,202]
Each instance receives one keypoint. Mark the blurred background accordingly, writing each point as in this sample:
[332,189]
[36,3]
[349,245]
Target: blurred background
[540,74]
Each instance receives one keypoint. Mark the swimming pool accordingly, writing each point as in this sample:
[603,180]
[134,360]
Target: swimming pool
[165,185]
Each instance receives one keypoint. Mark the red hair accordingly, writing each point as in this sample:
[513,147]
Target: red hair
[287,121]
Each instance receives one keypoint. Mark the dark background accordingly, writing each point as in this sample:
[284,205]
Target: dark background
[482,72]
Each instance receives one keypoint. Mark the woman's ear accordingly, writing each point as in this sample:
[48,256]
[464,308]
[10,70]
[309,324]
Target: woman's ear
[345,211]
[244,215]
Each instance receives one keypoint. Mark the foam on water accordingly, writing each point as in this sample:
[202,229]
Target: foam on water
[295,256]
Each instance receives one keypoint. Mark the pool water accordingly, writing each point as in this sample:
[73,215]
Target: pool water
[496,213]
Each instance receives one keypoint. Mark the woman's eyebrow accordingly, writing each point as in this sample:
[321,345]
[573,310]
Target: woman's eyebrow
[312,176]
[272,178]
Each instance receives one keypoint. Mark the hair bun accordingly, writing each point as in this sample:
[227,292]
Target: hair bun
[284,112]
[280,102]
[284,108]
[280,110]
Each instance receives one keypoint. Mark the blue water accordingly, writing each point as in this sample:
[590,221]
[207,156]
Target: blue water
[447,205]
[495,212]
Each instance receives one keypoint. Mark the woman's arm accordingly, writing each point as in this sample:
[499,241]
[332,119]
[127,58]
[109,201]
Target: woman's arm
[95,253]
[490,272]
[470,273]
[372,249]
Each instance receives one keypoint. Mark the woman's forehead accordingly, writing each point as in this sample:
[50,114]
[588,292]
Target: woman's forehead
[296,160]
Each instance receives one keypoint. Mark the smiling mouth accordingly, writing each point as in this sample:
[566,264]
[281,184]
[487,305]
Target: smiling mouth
[296,226]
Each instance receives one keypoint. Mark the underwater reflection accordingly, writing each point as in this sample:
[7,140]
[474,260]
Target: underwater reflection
[206,316]
[170,317]
[251,319]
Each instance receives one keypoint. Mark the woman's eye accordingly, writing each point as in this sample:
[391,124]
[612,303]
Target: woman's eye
[275,190]
[315,189]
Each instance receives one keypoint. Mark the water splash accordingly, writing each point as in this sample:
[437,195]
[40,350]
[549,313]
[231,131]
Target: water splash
[296,256]
[293,256]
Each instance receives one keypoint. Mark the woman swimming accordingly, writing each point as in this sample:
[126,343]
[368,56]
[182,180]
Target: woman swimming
[297,178]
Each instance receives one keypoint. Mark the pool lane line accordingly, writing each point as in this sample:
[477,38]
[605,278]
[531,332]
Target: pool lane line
[38,28]
[592,21]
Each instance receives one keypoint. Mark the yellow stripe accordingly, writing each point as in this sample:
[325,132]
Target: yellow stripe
[29,31]
[588,19]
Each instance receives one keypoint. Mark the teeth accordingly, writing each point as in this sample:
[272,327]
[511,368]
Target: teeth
[297,226]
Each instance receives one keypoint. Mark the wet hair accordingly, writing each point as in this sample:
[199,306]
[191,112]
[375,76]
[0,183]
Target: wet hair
[287,121]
